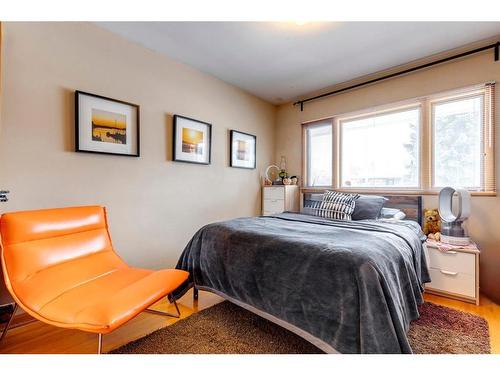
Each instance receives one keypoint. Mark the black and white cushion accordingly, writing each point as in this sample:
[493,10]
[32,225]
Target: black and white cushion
[337,206]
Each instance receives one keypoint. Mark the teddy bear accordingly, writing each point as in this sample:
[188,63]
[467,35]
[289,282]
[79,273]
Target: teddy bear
[432,224]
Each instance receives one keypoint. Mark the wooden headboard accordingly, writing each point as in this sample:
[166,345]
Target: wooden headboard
[411,205]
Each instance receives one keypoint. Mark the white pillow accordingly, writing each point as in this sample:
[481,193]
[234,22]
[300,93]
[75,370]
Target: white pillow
[392,213]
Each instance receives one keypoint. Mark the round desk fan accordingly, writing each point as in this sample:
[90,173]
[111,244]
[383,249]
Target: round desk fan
[453,231]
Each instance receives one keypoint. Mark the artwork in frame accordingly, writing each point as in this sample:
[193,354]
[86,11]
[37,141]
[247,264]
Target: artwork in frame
[242,150]
[106,126]
[192,140]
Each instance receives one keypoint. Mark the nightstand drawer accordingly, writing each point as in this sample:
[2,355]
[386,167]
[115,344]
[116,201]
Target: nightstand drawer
[453,261]
[452,282]
[273,206]
[274,193]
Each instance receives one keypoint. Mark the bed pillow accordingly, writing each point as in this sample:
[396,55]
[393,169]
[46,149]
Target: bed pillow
[368,207]
[337,206]
[392,213]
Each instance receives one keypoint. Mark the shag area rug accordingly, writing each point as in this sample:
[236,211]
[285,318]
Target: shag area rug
[229,329]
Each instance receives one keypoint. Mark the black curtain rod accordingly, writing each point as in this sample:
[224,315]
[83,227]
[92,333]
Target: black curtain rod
[496,46]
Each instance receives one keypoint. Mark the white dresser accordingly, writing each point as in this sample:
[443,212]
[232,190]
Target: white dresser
[454,273]
[280,198]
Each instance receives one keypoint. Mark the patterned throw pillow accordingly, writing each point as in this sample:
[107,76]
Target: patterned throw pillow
[336,205]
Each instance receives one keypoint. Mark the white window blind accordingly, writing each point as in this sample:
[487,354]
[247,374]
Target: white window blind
[462,130]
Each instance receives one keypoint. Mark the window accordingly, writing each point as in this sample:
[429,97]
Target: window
[381,150]
[420,145]
[319,144]
[458,142]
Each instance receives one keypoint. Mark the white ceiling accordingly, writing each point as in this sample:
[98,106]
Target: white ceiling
[279,61]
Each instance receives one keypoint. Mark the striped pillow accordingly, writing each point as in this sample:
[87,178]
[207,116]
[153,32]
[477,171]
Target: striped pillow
[337,206]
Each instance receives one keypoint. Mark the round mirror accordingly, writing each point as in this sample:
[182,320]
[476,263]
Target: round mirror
[272,172]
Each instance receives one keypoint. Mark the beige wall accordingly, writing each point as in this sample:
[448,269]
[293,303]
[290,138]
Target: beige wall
[155,205]
[485,221]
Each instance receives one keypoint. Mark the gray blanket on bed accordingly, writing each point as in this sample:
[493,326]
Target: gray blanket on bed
[356,285]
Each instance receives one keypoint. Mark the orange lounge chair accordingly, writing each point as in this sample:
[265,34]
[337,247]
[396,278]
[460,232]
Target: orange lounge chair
[61,268]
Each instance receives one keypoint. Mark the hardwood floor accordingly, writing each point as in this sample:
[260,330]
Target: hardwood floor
[41,338]
[38,337]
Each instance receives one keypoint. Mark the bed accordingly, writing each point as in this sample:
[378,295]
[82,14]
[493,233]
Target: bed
[346,286]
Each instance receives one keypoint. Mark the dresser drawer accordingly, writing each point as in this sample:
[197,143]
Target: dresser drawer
[273,206]
[452,282]
[274,193]
[452,261]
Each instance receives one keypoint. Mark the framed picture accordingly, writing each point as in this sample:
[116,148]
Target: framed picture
[242,150]
[105,125]
[192,140]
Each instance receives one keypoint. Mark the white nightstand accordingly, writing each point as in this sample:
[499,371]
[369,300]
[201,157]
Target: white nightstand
[454,273]
[279,198]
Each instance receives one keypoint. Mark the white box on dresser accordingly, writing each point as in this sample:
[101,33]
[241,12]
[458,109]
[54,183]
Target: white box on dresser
[454,273]
[280,198]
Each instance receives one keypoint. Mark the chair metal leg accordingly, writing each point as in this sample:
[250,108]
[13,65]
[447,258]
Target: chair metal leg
[163,313]
[6,328]
[99,347]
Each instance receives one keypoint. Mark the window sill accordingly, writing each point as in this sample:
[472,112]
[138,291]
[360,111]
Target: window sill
[314,189]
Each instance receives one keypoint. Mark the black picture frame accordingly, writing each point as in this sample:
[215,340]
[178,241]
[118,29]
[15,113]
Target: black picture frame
[231,162]
[175,157]
[78,147]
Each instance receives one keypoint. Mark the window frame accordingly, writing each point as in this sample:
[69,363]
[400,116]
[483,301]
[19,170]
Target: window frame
[305,148]
[339,125]
[451,99]
[426,139]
